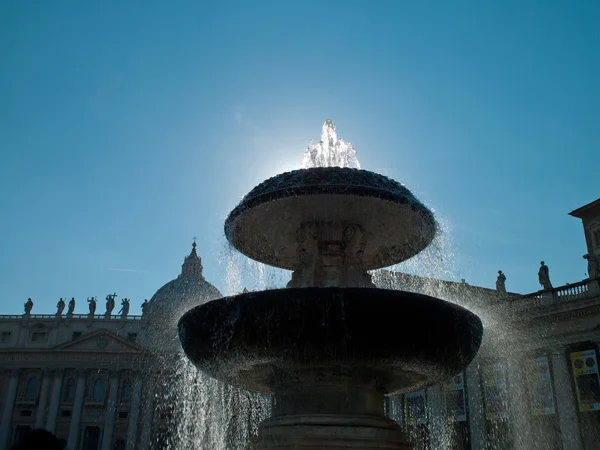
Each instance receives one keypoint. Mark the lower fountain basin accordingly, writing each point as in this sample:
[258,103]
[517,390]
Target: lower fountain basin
[267,341]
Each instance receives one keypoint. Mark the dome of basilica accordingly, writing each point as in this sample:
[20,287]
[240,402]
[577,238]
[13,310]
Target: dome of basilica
[188,290]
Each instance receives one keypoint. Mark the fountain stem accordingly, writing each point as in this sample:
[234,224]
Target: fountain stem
[330,254]
[333,414]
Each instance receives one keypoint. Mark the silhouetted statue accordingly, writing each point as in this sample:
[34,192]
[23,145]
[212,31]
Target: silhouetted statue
[500,282]
[28,306]
[544,276]
[60,307]
[145,307]
[39,439]
[593,266]
[92,305]
[110,305]
[124,308]
[71,307]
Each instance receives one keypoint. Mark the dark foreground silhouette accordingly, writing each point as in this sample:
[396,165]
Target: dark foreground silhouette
[39,439]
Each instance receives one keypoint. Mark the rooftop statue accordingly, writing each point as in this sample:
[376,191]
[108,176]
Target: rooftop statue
[544,276]
[60,307]
[28,306]
[92,306]
[124,308]
[71,307]
[500,282]
[110,305]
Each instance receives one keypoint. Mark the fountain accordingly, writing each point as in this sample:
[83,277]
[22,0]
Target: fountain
[331,345]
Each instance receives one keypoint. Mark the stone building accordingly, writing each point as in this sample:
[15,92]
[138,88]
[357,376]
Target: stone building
[88,378]
[534,384]
[91,378]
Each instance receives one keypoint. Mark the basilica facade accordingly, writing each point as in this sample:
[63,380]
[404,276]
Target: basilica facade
[98,380]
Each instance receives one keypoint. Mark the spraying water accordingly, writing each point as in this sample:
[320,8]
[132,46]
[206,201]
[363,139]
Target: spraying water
[330,151]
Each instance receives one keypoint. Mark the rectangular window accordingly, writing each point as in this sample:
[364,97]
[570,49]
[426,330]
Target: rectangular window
[131,337]
[122,415]
[596,234]
[6,335]
[76,335]
[39,336]
[25,413]
[65,413]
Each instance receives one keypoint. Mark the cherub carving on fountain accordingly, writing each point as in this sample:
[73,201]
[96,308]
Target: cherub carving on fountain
[353,270]
[307,251]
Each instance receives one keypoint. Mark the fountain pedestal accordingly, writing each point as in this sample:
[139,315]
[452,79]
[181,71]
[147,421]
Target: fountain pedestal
[330,345]
[332,415]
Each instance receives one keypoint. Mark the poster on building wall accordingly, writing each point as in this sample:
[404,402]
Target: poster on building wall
[495,391]
[454,398]
[539,382]
[585,372]
[414,408]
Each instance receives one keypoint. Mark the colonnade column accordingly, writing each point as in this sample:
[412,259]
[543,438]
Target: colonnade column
[477,425]
[9,404]
[134,411]
[54,401]
[518,409]
[111,409]
[147,417]
[77,410]
[44,392]
[437,418]
[566,403]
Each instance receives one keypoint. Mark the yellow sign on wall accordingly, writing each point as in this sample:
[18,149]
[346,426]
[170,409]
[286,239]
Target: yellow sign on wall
[494,390]
[414,408]
[541,394]
[587,381]
[454,398]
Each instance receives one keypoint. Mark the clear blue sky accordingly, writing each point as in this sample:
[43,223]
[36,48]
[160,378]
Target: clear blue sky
[126,128]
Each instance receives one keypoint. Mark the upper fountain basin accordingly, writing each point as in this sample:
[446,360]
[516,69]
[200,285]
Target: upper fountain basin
[265,224]
[261,341]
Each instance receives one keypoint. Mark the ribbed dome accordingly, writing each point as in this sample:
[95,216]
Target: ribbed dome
[189,289]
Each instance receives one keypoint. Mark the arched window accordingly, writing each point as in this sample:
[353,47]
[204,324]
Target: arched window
[99,389]
[119,445]
[69,393]
[126,391]
[31,388]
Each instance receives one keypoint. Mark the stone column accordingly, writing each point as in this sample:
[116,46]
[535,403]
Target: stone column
[54,401]
[111,409]
[134,412]
[43,405]
[9,404]
[77,410]
[518,409]
[476,407]
[147,418]
[566,402]
[435,406]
